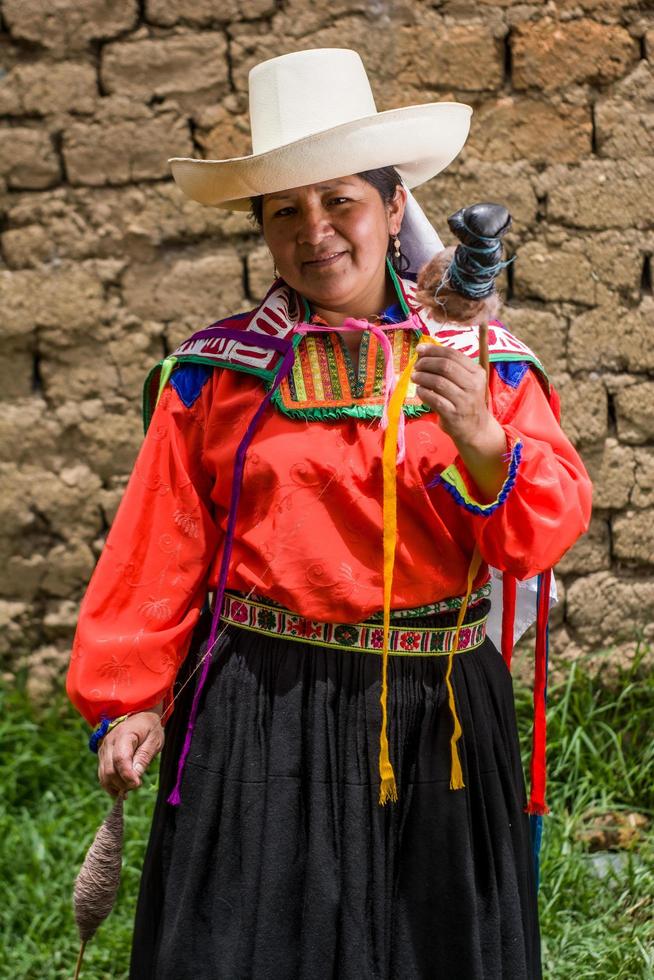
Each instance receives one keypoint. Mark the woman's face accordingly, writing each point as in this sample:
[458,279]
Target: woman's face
[329,240]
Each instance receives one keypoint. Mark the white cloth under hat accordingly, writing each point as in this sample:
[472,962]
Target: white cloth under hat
[419,239]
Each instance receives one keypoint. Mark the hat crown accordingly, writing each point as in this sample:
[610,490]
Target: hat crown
[306,92]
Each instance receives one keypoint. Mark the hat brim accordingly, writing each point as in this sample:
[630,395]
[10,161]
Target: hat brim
[419,141]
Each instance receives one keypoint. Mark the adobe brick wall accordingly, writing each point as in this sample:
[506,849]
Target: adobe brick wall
[104,266]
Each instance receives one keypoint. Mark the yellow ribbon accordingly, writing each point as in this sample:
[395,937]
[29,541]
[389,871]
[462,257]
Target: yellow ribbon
[456,773]
[388,786]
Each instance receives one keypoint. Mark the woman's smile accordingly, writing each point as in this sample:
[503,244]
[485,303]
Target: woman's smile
[323,261]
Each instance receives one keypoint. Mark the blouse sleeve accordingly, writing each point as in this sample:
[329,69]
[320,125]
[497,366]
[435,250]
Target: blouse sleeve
[545,502]
[149,585]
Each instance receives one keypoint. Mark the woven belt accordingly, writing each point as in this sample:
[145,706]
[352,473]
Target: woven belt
[416,641]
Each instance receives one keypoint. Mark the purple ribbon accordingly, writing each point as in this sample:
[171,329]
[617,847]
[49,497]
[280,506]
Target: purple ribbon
[265,342]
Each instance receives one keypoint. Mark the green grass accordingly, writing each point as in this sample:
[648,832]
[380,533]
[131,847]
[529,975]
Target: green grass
[601,760]
[49,810]
[594,925]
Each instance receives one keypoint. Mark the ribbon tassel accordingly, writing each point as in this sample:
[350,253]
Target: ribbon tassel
[456,772]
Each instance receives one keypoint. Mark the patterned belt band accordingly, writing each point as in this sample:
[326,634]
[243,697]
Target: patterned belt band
[420,641]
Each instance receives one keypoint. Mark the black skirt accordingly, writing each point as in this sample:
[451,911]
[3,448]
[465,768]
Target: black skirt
[279,864]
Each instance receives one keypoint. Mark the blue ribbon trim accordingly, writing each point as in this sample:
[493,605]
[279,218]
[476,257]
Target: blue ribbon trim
[536,834]
[96,736]
[507,486]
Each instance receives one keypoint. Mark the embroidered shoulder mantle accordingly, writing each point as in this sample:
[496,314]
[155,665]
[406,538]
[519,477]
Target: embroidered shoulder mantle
[323,383]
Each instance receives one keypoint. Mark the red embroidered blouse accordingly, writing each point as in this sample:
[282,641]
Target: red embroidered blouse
[309,528]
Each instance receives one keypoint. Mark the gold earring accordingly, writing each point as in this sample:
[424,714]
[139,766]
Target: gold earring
[396,244]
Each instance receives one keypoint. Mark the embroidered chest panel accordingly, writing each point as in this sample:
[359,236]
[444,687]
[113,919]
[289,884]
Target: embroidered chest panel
[324,383]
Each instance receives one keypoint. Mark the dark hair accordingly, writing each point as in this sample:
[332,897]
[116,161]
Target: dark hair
[383,179]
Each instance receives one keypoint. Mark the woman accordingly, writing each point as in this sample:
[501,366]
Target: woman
[261,478]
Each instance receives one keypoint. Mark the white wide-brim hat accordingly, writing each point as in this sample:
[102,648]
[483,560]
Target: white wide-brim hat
[313,117]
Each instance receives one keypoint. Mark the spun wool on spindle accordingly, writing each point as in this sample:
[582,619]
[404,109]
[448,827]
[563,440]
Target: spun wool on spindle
[437,292]
[458,284]
[96,885]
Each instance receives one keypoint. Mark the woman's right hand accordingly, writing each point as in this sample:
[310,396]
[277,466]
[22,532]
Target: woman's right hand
[128,749]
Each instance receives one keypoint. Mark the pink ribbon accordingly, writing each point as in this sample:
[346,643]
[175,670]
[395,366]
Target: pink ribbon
[390,380]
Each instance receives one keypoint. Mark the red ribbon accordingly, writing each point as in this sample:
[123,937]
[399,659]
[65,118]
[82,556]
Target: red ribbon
[537,802]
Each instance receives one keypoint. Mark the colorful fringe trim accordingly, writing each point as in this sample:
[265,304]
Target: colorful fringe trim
[351,324]
[323,383]
[98,734]
[103,729]
[452,481]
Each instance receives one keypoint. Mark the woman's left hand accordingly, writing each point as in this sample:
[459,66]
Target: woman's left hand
[454,386]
